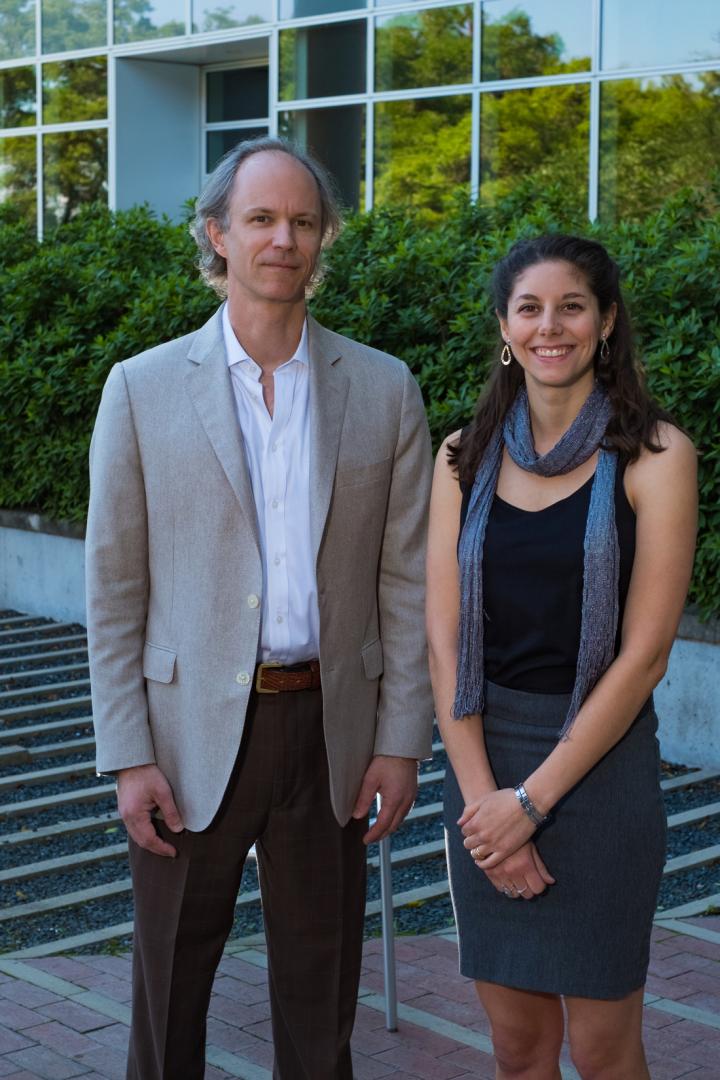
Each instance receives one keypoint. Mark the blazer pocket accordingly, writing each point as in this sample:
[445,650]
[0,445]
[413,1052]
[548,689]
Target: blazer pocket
[158,663]
[355,475]
[372,657]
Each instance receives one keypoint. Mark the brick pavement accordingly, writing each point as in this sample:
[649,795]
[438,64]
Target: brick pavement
[66,1016]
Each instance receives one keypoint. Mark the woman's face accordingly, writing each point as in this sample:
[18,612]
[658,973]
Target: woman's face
[554,324]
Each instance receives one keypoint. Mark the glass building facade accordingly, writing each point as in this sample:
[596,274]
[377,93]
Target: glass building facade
[617,101]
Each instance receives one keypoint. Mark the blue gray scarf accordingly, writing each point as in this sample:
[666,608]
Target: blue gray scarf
[602,555]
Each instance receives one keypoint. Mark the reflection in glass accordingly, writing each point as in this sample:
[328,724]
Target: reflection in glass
[17,174]
[322,61]
[654,32]
[75,90]
[139,20]
[534,37]
[75,172]
[219,142]
[537,137]
[656,136]
[422,152]
[220,15]
[424,48]
[337,138]
[17,97]
[73,24]
[17,29]
[237,94]
[299,9]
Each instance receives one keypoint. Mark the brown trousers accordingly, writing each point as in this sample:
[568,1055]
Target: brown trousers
[312,879]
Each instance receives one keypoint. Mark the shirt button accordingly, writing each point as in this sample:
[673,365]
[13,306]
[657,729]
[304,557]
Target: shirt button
[274,504]
[243,678]
[253,601]
[278,618]
[274,447]
[277,560]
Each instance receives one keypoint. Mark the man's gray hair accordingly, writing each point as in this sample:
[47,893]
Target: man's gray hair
[214,204]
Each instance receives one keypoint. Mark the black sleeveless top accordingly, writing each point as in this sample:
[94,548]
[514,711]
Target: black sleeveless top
[533,583]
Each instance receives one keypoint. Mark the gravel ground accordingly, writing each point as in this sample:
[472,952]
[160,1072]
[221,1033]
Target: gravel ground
[77,712]
[81,758]
[103,835]
[688,798]
[26,687]
[705,833]
[68,812]
[58,735]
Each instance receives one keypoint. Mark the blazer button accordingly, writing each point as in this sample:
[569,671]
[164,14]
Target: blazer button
[253,601]
[243,678]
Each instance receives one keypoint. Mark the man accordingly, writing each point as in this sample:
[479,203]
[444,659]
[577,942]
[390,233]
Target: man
[259,493]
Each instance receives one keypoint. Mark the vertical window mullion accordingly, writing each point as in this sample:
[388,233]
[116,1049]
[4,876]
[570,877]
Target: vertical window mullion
[370,112]
[594,132]
[273,77]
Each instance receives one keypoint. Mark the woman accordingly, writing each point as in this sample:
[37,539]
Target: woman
[576,500]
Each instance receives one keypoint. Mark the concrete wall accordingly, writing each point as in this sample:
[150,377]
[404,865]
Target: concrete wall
[688,698]
[42,566]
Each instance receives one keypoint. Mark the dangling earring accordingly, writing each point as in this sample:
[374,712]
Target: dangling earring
[604,349]
[506,357]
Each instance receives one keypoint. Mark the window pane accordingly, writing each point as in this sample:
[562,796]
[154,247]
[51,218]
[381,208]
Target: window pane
[214,15]
[17,29]
[17,97]
[654,32]
[73,24]
[75,90]
[300,9]
[219,142]
[238,94]
[337,138]
[656,136]
[535,38]
[17,174]
[422,151]
[424,48]
[537,137]
[321,61]
[75,172]
[138,20]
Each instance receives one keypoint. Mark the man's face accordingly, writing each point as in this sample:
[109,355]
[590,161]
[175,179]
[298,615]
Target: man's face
[272,240]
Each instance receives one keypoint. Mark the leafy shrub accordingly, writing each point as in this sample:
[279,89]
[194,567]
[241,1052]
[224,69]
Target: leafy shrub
[106,286]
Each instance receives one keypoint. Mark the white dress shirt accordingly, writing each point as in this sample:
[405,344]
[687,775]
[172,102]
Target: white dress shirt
[278,456]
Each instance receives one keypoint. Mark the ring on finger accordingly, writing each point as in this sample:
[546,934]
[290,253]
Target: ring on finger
[476,853]
[523,890]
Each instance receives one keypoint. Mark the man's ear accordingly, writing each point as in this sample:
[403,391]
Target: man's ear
[216,236]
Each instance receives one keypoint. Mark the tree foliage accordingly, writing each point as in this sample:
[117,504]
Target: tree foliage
[107,286]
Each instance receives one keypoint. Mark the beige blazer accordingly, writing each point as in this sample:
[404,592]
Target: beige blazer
[174,569]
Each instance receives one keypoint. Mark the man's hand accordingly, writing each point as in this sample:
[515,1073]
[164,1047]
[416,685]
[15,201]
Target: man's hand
[141,790]
[395,779]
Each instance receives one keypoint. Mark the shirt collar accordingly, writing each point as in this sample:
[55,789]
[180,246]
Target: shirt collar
[236,354]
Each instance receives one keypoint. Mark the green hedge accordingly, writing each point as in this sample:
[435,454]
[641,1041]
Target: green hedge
[106,286]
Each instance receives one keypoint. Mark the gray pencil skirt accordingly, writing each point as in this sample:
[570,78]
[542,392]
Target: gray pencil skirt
[589,934]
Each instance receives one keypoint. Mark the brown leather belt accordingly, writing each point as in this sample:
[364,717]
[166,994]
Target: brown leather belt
[274,678]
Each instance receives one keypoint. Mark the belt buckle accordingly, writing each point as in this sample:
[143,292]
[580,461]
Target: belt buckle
[258,677]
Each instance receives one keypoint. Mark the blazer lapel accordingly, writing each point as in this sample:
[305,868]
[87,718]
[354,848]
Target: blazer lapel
[209,385]
[329,387]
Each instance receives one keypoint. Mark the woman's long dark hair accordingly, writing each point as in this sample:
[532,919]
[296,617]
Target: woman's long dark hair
[634,423]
